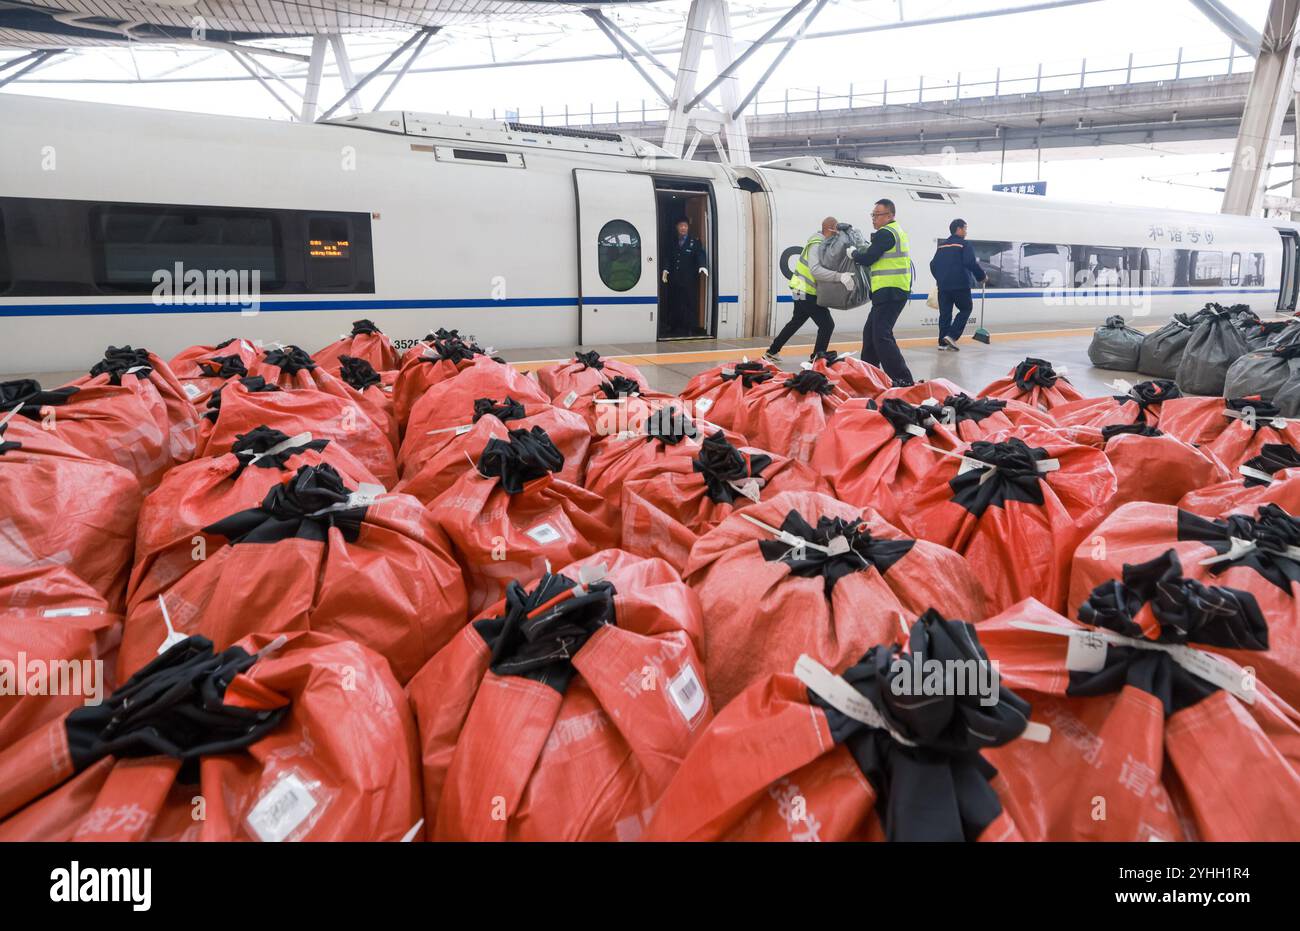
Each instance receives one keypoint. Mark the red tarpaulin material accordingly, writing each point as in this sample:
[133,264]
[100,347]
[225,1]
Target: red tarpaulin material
[977,418]
[319,555]
[671,503]
[666,434]
[274,743]
[123,424]
[170,540]
[63,508]
[52,625]
[1143,745]
[812,756]
[245,404]
[563,712]
[511,514]
[1016,505]
[374,389]
[1234,430]
[1255,553]
[787,415]
[438,458]
[851,375]
[875,457]
[367,342]
[583,375]
[717,393]
[441,355]
[814,576]
[934,389]
[618,405]
[1140,403]
[1273,475]
[1151,465]
[1037,383]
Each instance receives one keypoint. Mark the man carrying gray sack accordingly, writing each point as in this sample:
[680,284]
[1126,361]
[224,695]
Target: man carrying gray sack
[808,272]
[889,265]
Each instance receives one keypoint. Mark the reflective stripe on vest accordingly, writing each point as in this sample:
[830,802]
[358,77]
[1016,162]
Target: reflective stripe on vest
[802,279]
[894,268]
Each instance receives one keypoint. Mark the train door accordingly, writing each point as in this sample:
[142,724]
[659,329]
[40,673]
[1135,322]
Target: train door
[618,276]
[1290,282]
[688,299]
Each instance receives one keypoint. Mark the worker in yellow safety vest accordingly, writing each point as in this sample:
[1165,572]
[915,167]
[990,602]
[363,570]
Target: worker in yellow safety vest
[808,270]
[889,267]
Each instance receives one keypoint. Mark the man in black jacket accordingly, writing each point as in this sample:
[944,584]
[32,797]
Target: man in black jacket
[889,266]
[686,267]
[955,269]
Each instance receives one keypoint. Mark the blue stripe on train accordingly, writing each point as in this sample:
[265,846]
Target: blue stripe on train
[65,310]
[1115,293]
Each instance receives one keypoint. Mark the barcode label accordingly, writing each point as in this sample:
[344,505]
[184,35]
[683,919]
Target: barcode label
[544,533]
[279,812]
[65,612]
[570,398]
[703,405]
[686,692]
[192,391]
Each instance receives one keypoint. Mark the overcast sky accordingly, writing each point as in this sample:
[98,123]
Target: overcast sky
[1103,32]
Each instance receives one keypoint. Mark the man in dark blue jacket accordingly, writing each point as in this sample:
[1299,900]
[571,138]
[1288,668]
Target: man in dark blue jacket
[955,269]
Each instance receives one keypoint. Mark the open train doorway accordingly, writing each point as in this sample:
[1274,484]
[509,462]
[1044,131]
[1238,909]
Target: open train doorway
[687,280]
[1289,286]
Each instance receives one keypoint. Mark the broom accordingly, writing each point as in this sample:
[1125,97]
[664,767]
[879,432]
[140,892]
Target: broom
[981,335]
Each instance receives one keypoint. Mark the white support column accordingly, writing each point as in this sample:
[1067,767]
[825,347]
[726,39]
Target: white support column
[314,67]
[697,26]
[345,72]
[737,135]
[1272,88]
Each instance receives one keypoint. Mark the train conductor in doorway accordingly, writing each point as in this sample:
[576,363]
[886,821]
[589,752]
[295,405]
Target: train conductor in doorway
[955,269]
[889,268]
[685,271]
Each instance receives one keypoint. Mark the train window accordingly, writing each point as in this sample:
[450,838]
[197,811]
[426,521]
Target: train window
[330,265]
[1044,265]
[1207,269]
[136,242]
[618,255]
[1099,266]
[998,261]
[1254,276]
[1234,269]
[1142,268]
[6,275]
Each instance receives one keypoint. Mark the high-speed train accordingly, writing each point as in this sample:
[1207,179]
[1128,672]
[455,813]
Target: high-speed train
[121,225]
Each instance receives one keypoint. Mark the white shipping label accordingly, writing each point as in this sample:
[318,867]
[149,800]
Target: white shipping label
[686,692]
[365,494]
[463,429]
[544,533]
[570,398]
[65,612]
[1086,653]
[279,812]
[192,391]
[1214,671]
[703,404]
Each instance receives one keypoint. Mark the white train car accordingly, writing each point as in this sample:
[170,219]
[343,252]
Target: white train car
[163,229]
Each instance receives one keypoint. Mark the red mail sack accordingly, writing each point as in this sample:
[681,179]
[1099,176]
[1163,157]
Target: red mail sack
[1037,383]
[669,504]
[248,403]
[511,515]
[851,375]
[441,355]
[666,434]
[1151,465]
[1015,505]
[1140,403]
[318,555]
[366,342]
[787,415]
[1234,430]
[170,539]
[63,508]
[583,375]
[818,757]
[563,711]
[1272,476]
[874,457]
[263,741]
[716,394]
[804,573]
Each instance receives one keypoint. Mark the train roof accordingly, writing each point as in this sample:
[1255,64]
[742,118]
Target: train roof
[502,132]
[864,171]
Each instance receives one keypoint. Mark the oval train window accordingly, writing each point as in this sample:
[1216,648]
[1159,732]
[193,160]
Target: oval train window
[618,255]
